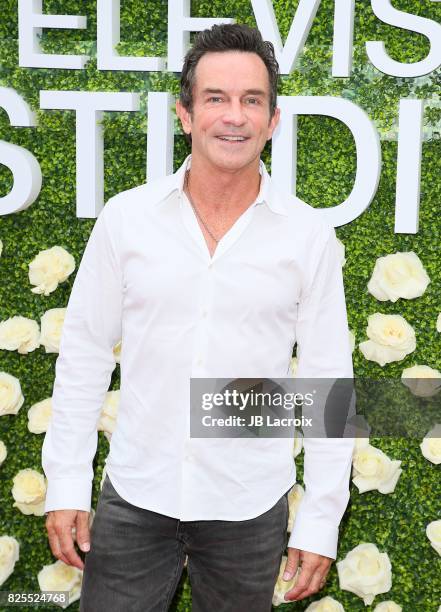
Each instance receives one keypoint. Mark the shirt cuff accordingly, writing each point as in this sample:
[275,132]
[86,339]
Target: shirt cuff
[68,494]
[315,536]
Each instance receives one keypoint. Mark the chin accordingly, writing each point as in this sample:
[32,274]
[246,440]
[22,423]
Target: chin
[232,162]
[232,165]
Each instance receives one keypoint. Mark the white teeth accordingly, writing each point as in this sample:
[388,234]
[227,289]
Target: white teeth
[232,138]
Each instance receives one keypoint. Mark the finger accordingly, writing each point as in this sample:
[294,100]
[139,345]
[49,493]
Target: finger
[54,543]
[291,564]
[306,573]
[68,548]
[324,576]
[317,582]
[82,531]
[315,578]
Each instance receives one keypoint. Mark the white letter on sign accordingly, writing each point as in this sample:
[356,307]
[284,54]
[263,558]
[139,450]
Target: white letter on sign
[266,22]
[407,202]
[367,142]
[108,34]
[31,21]
[377,53]
[343,38]
[89,106]
[160,135]
[180,24]
[23,165]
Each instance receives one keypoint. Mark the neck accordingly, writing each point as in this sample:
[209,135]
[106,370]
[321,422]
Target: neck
[222,190]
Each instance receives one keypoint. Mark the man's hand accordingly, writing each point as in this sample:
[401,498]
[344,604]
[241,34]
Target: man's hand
[313,571]
[60,525]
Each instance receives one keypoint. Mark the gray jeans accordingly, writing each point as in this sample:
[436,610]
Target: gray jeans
[137,557]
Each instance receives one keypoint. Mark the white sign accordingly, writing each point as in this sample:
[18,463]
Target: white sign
[25,168]
[89,106]
[31,21]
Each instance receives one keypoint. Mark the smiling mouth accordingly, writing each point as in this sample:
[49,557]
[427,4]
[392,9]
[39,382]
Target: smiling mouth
[234,139]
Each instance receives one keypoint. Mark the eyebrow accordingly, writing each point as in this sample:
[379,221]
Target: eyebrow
[253,92]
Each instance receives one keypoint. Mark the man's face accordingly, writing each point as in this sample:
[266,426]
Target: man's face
[230,122]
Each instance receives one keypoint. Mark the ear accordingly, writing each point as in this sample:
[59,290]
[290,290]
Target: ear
[184,116]
[273,123]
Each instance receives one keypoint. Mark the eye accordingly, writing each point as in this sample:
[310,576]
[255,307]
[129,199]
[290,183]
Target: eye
[214,99]
[253,100]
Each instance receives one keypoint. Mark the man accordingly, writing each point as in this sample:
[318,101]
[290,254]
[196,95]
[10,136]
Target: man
[210,272]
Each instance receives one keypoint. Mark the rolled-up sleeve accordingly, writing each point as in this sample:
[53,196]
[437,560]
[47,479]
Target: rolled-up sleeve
[323,351]
[83,370]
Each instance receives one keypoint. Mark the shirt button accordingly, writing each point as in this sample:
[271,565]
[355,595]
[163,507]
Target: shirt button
[204,314]
[189,457]
[199,362]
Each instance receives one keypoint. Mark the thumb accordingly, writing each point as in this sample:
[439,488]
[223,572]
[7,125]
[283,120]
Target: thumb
[291,563]
[82,531]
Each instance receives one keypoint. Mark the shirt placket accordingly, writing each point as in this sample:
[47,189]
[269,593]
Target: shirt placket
[193,449]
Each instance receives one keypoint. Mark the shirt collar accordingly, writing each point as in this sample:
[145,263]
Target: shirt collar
[267,194]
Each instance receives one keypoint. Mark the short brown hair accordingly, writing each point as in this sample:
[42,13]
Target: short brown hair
[228,37]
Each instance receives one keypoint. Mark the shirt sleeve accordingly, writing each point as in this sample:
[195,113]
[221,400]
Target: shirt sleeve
[91,328]
[323,351]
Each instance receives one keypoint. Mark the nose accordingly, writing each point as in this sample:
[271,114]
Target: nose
[234,113]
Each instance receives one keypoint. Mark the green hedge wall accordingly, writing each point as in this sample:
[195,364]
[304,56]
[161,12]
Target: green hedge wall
[326,167]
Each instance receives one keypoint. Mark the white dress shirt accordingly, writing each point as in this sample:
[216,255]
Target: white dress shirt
[147,277]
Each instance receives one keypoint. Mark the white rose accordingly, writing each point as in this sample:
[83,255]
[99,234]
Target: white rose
[431,445]
[298,444]
[19,334]
[400,275]
[438,323]
[341,251]
[3,451]
[51,329]
[29,491]
[39,416]
[431,384]
[50,267]
[372,469]
[61,577]
[295,496]
[109,412]
[433,532]
[283,586]
[366,572]
[391,338]
[360,443]
[293,366]
[117,352]
[9,553]
[11,397]
[388,606]
[326,604]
